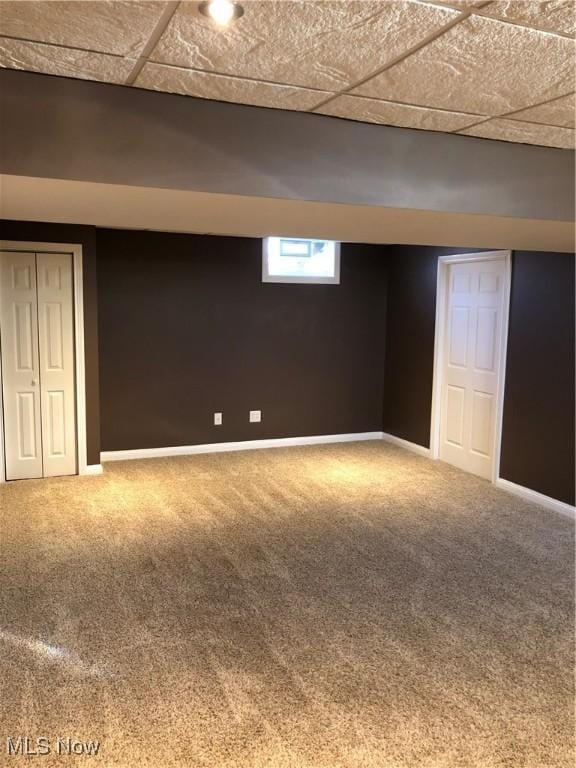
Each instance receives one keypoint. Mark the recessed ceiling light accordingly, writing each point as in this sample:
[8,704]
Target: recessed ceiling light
[221,11]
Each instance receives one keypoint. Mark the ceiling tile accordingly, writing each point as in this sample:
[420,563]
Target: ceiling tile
[109,27]
[52,60]
[388,113]
[524,133]
[210,86]
[327,45]
[551,15]
[462,5]
[559,112]
[482,66]
[292,54]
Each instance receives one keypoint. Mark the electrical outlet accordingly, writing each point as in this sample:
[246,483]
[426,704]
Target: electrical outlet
[255,416]
[217,419]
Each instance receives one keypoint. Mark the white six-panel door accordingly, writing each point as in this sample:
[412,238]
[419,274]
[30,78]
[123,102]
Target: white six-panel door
[38,378]
[471,362]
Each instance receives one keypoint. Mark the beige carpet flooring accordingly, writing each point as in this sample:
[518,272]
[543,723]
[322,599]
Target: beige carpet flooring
[346,606]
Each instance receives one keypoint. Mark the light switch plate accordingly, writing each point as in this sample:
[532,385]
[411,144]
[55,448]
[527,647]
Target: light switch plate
[217,419]
[255,416]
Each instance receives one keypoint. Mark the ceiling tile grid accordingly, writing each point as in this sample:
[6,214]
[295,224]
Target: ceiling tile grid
[550,15]
[497,69]
[480,66]
[393,113]
[526,133]
[121,28]
[329,44]
[560,112]
[70,62]
[208,85]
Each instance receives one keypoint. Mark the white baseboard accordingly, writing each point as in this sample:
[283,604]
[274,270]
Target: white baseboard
[414,447]
[537,498]
[93,469]
[243,445]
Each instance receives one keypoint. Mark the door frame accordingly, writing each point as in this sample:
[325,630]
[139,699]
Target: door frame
[444,262]
[75,251]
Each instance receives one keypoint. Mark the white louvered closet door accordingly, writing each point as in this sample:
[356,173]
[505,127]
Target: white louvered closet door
[38,379]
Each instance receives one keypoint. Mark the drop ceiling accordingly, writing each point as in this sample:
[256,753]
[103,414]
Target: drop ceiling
[497,69]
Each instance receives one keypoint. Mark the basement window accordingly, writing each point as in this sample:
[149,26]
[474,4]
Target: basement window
[297,260]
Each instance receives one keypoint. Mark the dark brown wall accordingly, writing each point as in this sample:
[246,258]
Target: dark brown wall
[188,328]
[84,236]
[409,344]
[538,427]
[411,311]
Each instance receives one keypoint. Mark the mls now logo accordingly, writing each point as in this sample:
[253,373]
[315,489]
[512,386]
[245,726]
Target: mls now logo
[70,746]
[25,746]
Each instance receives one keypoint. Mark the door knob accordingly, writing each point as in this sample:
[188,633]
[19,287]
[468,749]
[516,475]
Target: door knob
[34,382]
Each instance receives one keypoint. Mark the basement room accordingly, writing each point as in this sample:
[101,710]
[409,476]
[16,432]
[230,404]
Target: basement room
[284,289]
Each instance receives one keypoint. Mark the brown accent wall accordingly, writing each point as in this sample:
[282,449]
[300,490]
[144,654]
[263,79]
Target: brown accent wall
[538,426]
[411,309]
[409,343]
[188,328]
[86,237]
